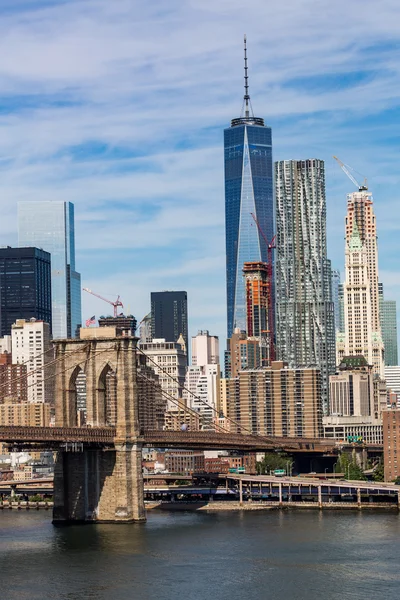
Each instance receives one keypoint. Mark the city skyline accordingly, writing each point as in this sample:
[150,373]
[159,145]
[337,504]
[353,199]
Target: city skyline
[108,167]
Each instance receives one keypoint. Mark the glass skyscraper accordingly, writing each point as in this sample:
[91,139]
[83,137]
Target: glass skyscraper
[50,226]
[305,323]
[388,316]
[248,189]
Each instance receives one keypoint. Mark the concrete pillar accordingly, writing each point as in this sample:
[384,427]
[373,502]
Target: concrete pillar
[280,494]
[240,492]
[320,496]
[359,497]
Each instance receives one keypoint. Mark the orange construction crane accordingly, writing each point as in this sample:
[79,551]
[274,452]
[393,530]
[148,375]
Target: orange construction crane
[114,304]
[271,331]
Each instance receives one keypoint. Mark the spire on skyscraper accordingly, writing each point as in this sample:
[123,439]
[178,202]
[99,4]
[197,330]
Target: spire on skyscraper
[246,98]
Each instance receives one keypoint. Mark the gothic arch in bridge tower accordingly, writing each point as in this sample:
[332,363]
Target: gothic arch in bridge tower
[106,392]
[71,398]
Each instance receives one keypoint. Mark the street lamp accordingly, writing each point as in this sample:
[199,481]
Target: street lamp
[334,468]
[326,471]
[289,472]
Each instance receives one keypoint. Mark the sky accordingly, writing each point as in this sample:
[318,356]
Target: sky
[119,107]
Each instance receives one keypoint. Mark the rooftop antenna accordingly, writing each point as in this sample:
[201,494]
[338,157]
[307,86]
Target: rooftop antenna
[246,99]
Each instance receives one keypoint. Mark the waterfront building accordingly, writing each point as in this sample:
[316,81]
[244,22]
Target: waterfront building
[391,443]
[248,191]
[205,349]
[169,316]
[185,462]
[25,286]
[276,400]
[168,360]
[31,347]
[305,333]
[388,316]
[362,325]
[50,226]
[368,428]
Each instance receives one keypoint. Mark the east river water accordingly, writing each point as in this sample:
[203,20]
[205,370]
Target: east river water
[299,555]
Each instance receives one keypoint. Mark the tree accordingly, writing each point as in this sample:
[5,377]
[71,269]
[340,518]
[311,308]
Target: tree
[379,473]
[350,468]
[272,461]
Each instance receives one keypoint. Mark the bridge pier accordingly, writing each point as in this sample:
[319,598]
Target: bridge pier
[99,486]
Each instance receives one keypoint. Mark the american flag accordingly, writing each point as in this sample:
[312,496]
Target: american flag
[91,321]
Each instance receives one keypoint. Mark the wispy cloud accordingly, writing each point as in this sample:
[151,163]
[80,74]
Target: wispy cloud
[119,107]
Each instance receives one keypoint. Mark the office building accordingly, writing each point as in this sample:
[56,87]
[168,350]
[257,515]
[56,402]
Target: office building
[50,226]
[124,325]
[259,311]
[244,353]
[202,393]
[25,286]
[205,349]
[392,377]
[388,315]
[305,334]
[145,329]
[248,191]
[31,347]
[168,360]
[352,388]
[368,428]
[276,401]
[362,325]
[169,316]
[152,403]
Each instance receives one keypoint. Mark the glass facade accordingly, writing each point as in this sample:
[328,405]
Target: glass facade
[305,322]
[50,225]
[169,316]
[388,316]
[248,189]
[25,286]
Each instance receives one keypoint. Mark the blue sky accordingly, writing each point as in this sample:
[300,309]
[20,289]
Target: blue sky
[119,107]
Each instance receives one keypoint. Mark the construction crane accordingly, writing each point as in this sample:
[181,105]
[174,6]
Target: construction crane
[270,247]
[347,169]
[114,304]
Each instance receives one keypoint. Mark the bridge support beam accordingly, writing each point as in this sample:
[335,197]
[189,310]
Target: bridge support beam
[99,486]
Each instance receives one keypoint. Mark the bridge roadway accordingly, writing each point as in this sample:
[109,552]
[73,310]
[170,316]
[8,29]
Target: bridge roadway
[54,437]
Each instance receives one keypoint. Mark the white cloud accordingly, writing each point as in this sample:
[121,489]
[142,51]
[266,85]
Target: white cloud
[119,107]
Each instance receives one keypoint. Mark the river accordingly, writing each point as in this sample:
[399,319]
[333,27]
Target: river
[277,555]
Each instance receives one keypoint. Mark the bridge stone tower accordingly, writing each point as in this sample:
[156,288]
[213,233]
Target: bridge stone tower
[99,484]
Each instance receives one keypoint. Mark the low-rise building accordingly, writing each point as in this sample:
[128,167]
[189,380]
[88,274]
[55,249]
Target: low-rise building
[368,428]
[184,461]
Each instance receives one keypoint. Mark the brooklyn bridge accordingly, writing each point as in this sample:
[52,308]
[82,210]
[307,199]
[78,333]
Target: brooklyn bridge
[98,473]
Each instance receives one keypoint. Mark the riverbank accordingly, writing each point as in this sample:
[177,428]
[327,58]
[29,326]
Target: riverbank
[25,505]
[257,506]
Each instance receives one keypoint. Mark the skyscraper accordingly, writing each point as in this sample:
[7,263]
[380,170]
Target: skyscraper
[336,298]
[25,286]
[388,315]
[50,225]
[305,333]
[362,325]
[248,189]
[257,292]
[205,349]
[169,316]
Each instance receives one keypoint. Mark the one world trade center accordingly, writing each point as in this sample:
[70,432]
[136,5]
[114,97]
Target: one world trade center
[248,191]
